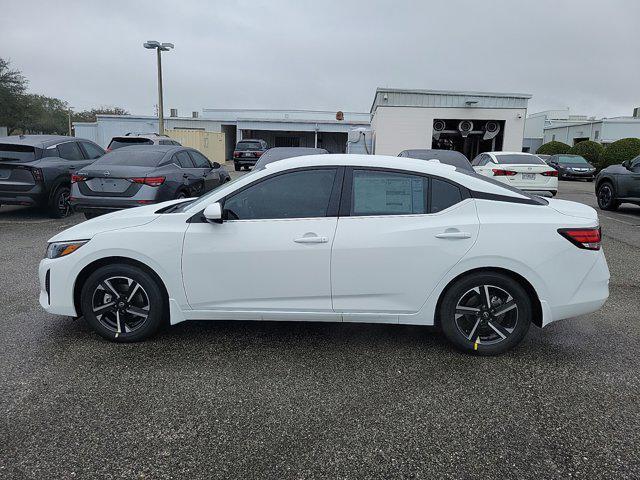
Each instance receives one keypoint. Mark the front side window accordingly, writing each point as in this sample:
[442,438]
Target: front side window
[70,151]
[388,193]
[199,160]
[301,194]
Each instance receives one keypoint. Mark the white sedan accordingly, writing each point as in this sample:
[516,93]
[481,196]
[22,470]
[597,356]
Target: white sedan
[522,170]
[339,238]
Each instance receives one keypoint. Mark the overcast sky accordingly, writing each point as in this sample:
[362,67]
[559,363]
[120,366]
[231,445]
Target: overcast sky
[328,55]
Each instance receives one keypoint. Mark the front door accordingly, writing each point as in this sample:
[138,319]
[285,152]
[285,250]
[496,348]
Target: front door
[629,182]
[397,237]
[271,253]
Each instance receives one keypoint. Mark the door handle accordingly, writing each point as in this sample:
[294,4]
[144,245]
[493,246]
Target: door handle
[453,234]
[311,239]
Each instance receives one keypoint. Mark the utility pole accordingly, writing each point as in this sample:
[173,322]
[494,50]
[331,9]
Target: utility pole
[69,115]
[159,47]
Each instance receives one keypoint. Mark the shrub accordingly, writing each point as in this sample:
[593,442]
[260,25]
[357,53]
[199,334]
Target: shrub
[591,151]
[620,151]
[553,148]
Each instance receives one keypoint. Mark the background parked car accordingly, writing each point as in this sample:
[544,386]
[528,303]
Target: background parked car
[140,139]
[280,153]
[448,157]
[618,184]
[521,170]
[140,175]
[572,166]
[247,153]
[36,169]
[544,158]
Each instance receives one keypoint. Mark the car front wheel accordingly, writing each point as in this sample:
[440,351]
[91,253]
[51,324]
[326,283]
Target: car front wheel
[606,197]
[123,303]
[485,313]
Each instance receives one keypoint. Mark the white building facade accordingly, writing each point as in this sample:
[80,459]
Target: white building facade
[470,122]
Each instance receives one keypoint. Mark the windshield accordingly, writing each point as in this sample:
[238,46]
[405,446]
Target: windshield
[519,159]
[17,152]
[125,142]
[133,157]
[203,200]
[248,146]
[564,159]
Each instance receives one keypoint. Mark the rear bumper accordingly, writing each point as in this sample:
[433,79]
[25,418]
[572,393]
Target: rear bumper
[245,161]
[105,205]
[35,196]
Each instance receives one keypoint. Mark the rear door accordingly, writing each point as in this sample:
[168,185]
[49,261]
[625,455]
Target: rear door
[210,176]
[91,150]
[398,234]
[629,184]
[191,176]
[73,154]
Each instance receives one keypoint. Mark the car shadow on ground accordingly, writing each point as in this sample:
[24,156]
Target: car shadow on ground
[9,213]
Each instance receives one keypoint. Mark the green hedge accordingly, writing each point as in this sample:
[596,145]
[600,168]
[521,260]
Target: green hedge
[553,148]
[620,151]
[589,150]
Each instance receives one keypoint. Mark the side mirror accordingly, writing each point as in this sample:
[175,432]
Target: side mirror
[216,165]
[213,213]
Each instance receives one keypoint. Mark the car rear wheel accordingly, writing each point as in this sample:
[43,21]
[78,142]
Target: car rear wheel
[123,303]
[59,205]
[606,197]
[485,313]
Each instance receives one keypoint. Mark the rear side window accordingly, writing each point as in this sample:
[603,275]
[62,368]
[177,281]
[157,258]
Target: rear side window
[70,151]
[120,142]
[23,153]
[388,193]
[199,160]
[92,150]
[443,195]
[302,194]
[183,159]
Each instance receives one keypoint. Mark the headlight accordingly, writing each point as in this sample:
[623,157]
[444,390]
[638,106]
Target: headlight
[61,249]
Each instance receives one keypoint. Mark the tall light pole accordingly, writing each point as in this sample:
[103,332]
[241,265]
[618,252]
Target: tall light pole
[159,47]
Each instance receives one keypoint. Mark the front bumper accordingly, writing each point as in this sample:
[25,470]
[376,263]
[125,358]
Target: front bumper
[56,292]
[576,175]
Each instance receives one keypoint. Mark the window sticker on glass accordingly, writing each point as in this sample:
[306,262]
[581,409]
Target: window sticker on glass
[386,193]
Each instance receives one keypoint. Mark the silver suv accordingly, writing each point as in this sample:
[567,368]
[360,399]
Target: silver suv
[140,139]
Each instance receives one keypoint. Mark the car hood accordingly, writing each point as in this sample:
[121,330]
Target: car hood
[131,217]
[573,209]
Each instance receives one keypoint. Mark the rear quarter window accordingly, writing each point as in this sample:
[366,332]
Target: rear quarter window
[443,195]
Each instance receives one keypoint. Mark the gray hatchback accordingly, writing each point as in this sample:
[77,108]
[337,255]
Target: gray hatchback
[140,175]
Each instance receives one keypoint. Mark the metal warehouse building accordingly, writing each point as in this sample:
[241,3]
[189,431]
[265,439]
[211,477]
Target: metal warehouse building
[280,128]
[470,122]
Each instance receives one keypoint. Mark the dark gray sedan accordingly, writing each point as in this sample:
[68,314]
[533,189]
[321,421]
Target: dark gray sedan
[140,175]
[448,157]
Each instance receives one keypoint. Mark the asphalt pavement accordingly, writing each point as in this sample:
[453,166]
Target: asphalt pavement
[295,400]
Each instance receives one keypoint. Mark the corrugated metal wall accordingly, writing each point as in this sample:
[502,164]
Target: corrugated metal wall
[209,143]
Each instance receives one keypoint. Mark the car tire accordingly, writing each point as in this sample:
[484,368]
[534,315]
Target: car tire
[123,303]
[605,195]
[237,167]
[90,215]
[475,324]
[554,193]
[180,195]
[59,206]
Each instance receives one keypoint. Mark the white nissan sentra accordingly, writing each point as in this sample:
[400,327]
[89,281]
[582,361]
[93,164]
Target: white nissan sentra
[337,238]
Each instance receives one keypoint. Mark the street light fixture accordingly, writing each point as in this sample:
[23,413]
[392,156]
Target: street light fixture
[159,47]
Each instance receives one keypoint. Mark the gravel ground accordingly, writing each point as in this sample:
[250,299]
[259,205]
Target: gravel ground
[287,400]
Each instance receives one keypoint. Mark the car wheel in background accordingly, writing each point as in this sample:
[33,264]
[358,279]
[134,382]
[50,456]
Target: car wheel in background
[59,205]
[485,313]
[606,197]
[237,167]
[123,303]
[181,194]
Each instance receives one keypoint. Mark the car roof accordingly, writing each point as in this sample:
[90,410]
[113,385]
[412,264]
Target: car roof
[36,140]
[431,167]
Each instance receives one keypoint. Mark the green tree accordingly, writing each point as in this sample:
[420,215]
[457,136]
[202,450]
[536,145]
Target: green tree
[620,151]
[90,115]
[553,148]
[12,88]
[588,149]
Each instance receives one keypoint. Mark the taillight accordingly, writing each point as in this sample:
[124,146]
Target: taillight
[236,154]
[108,149]
[37,174]
[257,154]
[151,181]
[550,173]
[587,238]
[77,178]
[498,172]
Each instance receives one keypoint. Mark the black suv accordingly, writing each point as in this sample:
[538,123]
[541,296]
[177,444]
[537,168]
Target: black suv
[618,184]
[248,152]
[36,170]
